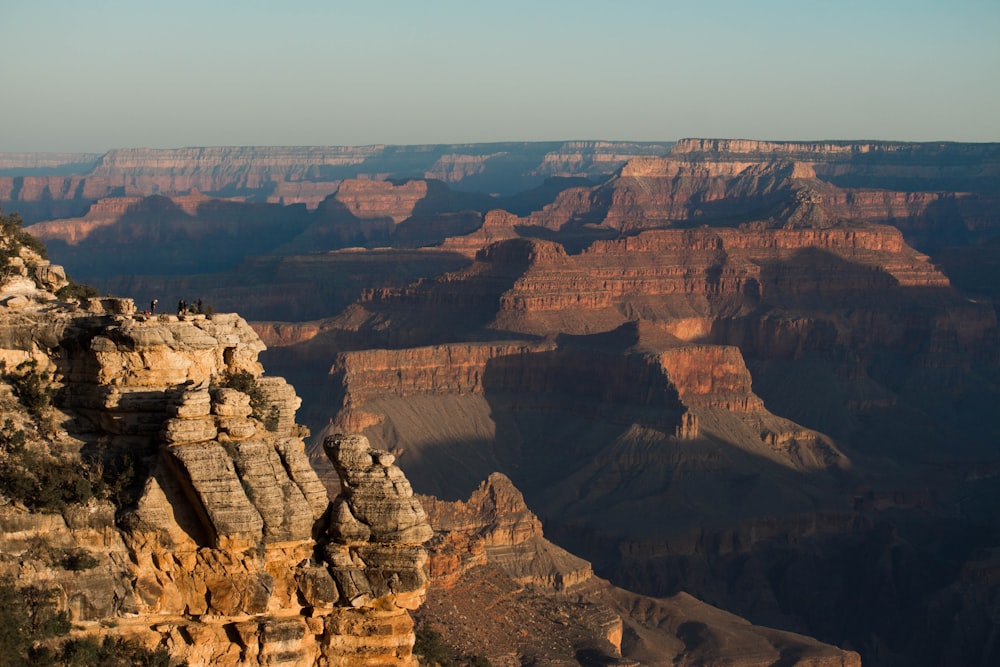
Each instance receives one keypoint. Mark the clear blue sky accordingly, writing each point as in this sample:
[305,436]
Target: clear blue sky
[101,74]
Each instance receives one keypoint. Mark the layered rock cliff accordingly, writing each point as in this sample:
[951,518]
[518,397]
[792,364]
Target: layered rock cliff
[935,193]
[156,483]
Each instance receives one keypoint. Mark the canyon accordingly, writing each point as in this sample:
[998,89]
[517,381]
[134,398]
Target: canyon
[155,488]
[762,374]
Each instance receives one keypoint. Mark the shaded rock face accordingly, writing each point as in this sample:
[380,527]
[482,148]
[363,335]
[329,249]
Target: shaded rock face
[492,568]
[224,547]
[168,235]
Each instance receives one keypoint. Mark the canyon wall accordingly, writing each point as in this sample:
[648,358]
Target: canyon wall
[676,402]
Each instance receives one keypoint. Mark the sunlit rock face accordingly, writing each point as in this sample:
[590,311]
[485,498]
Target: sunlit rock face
[212,535]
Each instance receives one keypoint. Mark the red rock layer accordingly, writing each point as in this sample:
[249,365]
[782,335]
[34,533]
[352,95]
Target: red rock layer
[501,369]
[711,376]
[670,274]
[375,199]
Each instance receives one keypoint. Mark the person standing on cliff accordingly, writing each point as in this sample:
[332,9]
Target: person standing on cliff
[152,306]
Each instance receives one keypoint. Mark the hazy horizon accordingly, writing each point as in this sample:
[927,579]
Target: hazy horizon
[90,77]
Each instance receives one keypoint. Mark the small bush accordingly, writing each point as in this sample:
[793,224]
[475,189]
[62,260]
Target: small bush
[120,481]
[38,481]
[111,652]
[272,419]
[14,236]
[431,649]
[76,291]
[28,616]
[245,382]
[33,388]
[11,440]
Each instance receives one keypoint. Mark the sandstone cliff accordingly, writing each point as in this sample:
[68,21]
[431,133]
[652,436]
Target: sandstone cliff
[186,501]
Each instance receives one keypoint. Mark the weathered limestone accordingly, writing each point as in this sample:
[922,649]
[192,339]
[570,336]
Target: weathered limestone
[377,527]
[282,401]
[215,555]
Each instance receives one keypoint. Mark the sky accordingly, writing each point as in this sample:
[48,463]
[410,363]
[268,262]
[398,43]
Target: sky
[90,76]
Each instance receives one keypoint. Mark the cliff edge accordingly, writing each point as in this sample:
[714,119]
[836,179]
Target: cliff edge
[155,487]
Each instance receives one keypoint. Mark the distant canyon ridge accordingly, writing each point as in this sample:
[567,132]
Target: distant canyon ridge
[48,185]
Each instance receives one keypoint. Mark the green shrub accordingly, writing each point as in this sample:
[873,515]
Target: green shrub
[120,481]
[32,387]
[14,237]
[28,616]
[75,291]
[111,652]
[431,649]
[11,440]
[245,382]
[38,481]
[272,419]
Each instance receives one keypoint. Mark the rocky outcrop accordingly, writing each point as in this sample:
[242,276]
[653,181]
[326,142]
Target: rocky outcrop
[497,225]
[492,568]
[495,527]
[377,527]
[381,199]
[221,544]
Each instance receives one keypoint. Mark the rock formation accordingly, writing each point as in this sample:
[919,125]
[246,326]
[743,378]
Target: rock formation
[491,567]
[198,524]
